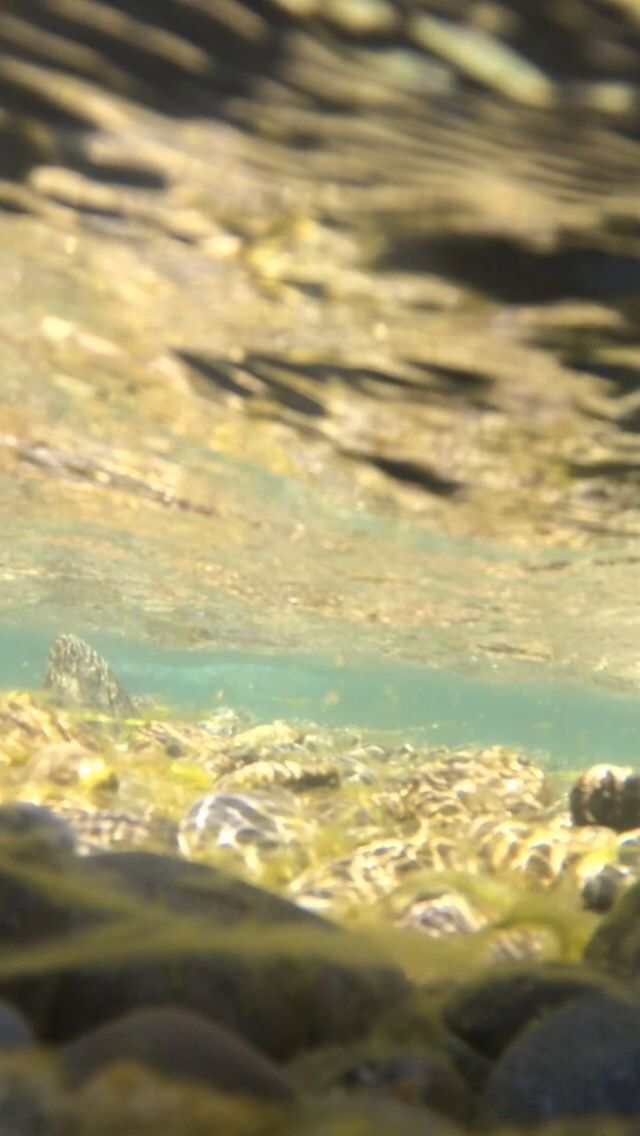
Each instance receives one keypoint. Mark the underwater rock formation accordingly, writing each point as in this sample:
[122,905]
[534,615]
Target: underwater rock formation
[78,676]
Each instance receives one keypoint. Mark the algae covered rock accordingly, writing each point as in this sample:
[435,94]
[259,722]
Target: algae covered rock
[265,821]
[606,795]
[30,832]
[615,945]
[581,1060]
[491,1011]
[180,1044]
[77,675]
[135,930]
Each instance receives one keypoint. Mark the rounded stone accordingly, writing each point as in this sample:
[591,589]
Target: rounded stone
[581,1060]
[489,1013]
[31,832]
[607,795]
[615,944]
[179,1044]
[265,821]
[15,1031]
[281,998]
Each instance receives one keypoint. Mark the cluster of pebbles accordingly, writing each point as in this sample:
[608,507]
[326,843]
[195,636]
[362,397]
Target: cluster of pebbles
[219,927]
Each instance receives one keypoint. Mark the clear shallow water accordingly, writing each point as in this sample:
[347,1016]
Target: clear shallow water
[572,725]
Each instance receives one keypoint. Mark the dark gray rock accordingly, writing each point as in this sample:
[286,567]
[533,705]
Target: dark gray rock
[615,945]
[162,919]
[179,1044]
[15,1031]
[31,832]
[491,1011]
[581,1060]
[78,676]
[606,795]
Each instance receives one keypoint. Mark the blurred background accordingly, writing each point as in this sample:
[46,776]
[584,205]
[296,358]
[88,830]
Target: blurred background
[319,353]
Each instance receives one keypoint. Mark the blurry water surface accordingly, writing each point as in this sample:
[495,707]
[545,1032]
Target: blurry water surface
[318,377]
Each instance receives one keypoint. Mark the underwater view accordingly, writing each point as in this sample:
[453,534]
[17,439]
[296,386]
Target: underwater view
[319,603]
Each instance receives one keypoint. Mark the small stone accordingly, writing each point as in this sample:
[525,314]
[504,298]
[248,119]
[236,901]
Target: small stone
[600,892]
[414,1076]
[15,1031]
[615,944]
[264,738]
[581,1060]
[446,913]
[266,821]
[66,763]
[180,1044]
[133,1100]
[30,832]
[78,676]
[606,795]
[490,1012]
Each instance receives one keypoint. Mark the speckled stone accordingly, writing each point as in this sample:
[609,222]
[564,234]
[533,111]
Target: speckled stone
[77,675]
[608,795]
[266,821]
[615,944]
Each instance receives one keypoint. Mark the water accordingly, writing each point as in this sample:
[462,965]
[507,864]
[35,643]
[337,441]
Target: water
[565,724]
[353,445]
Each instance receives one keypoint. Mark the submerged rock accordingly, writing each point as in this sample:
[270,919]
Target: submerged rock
[78,676]
[415,1075]
[490,1012]
[140,930]
[580,1060]
[264,821]
[182,1045]
[606,795]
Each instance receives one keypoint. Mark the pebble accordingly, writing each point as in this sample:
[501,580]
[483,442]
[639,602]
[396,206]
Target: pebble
[412,1075]
[606,795]
[15,1031]
[580,1060]
[176,1043]
[615,945]
[489,1013]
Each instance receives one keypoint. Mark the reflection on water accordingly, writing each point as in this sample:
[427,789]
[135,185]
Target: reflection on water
[368,396]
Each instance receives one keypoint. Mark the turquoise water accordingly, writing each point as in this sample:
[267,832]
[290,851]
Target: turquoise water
[571,724]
